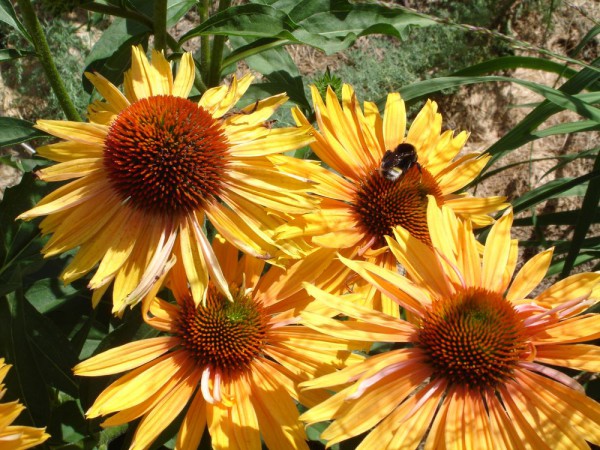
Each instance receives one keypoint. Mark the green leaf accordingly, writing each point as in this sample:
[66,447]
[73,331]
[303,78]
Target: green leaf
[589,37]
[554,188]
[521,133]
[281,72]
[330,27]
[20,242]
[334,27]
[568,128]
[568,218]
[49,293]
[584,222]
[9,54]
[8,16]
[55,356]
[24,380]
[564,100]
[176,9]
[583,258]
[14,131]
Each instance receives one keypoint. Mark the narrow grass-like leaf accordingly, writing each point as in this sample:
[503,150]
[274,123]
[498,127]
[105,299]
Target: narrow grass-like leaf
[588,209]
[583,258]
[568,218]
[589,37]
[552,189]
[561,99]
[567,128]
[566,159]
[515,62]
[521,133]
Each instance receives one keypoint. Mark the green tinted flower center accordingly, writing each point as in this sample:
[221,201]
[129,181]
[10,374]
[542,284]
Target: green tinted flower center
[473,339]
[226,335]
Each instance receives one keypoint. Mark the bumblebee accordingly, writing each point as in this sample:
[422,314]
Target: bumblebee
[396,163]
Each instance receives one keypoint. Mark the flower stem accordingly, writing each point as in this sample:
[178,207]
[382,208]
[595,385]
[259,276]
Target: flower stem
[43,52]
[217,52]
[160,25]
[204,10]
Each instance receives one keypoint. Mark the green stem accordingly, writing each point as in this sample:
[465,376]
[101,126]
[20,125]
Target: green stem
[216,56]
[43,51]
[160,25]
[204,10]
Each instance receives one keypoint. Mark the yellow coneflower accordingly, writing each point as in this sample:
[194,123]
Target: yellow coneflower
[474,366]
[234,365]
[15,437]
[377,188]
[151,166]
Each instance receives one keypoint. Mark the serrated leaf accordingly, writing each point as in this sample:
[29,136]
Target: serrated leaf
[8,16]
[330,27]
[14,131]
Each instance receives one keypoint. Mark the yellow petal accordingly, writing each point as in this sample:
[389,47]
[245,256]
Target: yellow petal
[93,250]
[578,285]
[392,284]
[71,169]
[579,329]
[243,417]
[79,225]
[125,357]
[530,276]
[184,80]
[123,242]
[84,133]
[275,140]
[109,91]
[68,151]
[496,253]
[578,356]
[192,427]
[420,262]
[193,261]
[394,121]
[165,412]
[163,77]
[82,190]
[140,384]
[275,410]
